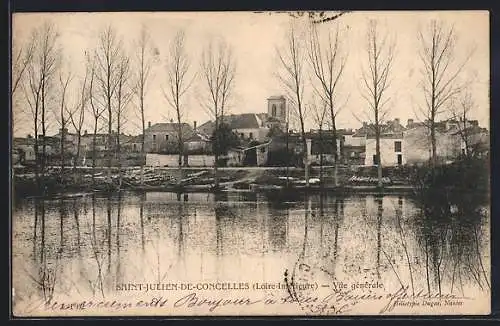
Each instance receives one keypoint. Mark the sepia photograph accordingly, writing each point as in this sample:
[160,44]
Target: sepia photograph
[271,163]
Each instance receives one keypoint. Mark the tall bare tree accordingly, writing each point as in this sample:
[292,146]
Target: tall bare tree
[108,54]
[327,64]
[218,69]
[96,110]
[145,58]
[39,85]
[62,117]
[178,65]
[76,114]
[319,112]
[123,96]
[291,75]
[440,74]
[23,55]
[376,82]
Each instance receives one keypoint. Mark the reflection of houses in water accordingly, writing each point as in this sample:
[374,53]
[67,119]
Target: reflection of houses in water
[277,229]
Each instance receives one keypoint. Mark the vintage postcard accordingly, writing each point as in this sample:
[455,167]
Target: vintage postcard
[250,163]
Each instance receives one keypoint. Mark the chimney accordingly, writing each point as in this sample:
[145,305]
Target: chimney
[410,123]
[194,125]
[149,124]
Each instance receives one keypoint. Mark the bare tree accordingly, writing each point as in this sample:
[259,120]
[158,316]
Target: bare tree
[21,60]
[22,57]
[291,75]
[327,65]
[178,65]
[319,113]
[380,54]
[144,60]
[76,114]
[62,118]
[96,110]
[107,54]
[440,75]
[461,113]
[218,69]
[123,95]
[39,84]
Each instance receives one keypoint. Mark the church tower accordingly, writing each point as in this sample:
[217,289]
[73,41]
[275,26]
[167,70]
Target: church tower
[276,108]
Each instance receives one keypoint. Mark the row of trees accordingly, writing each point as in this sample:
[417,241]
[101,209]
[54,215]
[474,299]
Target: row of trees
[116,80]
[315,57]
[114,84]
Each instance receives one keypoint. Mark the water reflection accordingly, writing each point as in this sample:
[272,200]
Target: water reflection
[154,237]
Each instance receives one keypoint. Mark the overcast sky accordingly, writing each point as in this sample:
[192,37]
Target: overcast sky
[254,38]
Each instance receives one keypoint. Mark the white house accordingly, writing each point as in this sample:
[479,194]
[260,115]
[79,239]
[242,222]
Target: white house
[391,150]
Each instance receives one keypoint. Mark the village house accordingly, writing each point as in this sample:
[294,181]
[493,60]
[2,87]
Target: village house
[248,126]
[391,144]
[198,143]
[450,140]
[163,137]
[24,148]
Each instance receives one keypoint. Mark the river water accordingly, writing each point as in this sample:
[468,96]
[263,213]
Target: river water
[93,246]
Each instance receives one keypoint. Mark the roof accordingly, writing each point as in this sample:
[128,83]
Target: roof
[168,127]
[235,121]
[276,97]
[397,135]
[473,130]
[243,121]
[197,136]
[134,139]
[21,141]
[390,127]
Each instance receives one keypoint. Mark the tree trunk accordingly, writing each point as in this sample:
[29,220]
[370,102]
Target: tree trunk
[288,158]
[143,155]
[379,160]
[321,158]
[433,146]
[77,156]
[180,146]
[62,152]
[216,153]
[94,139]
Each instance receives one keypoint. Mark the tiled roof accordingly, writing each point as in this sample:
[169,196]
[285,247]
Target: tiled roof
[276,97]
[168,127]
[235,121]
[243,121]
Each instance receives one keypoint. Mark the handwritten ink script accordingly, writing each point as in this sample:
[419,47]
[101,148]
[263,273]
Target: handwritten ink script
[339,300]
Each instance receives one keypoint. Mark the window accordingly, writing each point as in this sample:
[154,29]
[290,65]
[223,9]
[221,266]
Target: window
[250,135]
[397,146]
[273,110]
[375,160]
[262,149]
[166,137]
[154,137]
[242,135]
[135,147]
[400,159]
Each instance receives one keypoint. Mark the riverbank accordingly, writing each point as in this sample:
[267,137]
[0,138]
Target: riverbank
[254,179]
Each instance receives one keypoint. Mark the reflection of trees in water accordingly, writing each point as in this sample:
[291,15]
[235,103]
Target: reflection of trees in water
[328,212]
[96,285]
[277,226]
[449,235]
[47,263]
